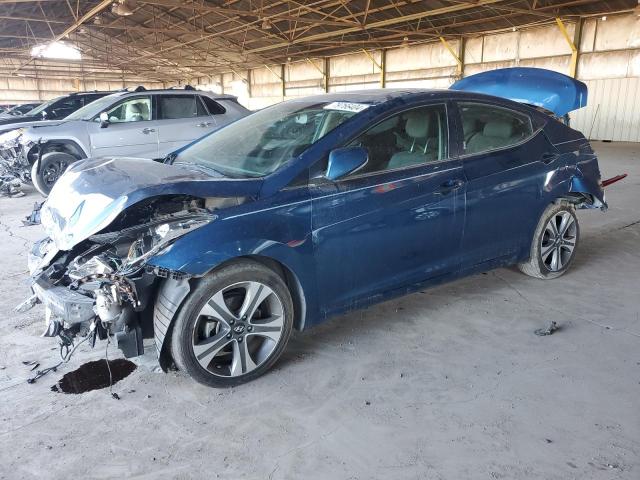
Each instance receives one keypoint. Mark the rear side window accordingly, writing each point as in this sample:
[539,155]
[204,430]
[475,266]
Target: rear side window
[178,106]
[214,107]
[487,127]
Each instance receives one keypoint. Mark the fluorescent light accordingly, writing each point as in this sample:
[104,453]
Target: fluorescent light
[56,50]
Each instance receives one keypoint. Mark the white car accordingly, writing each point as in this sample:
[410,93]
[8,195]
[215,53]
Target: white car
[146,124]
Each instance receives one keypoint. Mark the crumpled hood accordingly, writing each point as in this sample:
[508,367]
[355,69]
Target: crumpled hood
[93,192]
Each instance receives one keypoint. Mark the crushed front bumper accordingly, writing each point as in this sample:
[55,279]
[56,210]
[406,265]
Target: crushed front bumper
[64,307]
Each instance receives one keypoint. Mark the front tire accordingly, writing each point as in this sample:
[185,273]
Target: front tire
[554,242]
[233,326]
[46,172]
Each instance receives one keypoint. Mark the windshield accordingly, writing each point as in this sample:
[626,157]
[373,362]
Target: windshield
[44,106]
[262,142]
[92,109]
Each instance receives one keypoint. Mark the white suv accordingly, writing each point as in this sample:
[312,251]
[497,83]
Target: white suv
[143,123]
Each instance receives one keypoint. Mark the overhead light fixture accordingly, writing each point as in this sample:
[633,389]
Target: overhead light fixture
[123,8]
[97,20]
[58,50]
[405,42]
[266,24]
[604,18]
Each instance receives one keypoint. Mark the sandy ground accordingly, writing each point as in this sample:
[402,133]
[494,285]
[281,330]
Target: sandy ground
[446,384]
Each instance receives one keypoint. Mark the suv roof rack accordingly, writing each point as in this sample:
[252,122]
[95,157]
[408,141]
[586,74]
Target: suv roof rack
[181,87]
[139,88]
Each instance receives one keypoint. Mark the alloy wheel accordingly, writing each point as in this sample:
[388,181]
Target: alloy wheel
[52,172]
[238,329]
[558,241]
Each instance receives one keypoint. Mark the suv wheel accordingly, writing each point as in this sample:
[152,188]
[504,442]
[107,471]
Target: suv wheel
[554,242]
[46,172]
[233,326]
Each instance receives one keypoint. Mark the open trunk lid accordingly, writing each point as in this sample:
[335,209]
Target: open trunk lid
[547,89]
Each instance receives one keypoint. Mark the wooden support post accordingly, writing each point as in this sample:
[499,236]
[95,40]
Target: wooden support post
[284,86]
[326,74]
[383,68]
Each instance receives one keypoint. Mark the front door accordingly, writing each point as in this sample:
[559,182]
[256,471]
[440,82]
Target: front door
[397,221]
[131,132]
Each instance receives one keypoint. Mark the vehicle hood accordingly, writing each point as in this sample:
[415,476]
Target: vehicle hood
[25,124]
[93,192]
[18,119]
[550,90]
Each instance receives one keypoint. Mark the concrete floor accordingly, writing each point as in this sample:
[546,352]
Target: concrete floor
[446,384]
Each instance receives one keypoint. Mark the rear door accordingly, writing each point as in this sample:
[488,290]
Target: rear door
[505,162]
[182,119]
[397,221]
[132,130]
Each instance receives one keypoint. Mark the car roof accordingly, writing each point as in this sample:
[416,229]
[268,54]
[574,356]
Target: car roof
[215,96]
[381,95]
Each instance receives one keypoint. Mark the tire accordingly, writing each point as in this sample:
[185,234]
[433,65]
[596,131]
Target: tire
[51,166]
[554,243]
[219,346]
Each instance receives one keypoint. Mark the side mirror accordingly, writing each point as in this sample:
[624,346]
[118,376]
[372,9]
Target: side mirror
[343,161]
[104,120]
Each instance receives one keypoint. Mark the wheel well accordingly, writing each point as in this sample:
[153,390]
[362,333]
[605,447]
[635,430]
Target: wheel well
[65,146]
[290,280]
[576,198]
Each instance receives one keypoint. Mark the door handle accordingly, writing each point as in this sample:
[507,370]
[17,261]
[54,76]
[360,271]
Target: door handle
[548,158]
[204,124]
[449,186]
[148,130]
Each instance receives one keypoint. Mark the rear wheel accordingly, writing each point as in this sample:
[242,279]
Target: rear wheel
[233,326]
[46,172]
[554,242]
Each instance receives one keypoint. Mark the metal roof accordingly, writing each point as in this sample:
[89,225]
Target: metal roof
[176,39]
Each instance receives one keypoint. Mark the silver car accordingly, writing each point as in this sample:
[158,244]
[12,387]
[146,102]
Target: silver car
[147,124]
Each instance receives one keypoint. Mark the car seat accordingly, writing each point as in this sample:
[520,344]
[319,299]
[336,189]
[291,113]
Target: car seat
[417,127]
[137,112]
[495,134]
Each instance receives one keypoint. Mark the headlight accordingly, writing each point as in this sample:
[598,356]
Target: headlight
[160,236]
[10,139]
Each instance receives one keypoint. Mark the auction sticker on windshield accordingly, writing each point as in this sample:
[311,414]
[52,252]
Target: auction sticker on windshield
[347,106]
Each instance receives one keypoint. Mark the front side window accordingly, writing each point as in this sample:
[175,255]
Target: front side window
[411,138]
[132,110]
[171,107]
[262,142]
[487,127]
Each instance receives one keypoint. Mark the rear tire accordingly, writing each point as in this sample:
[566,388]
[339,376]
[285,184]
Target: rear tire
[554,243]
[233,326]
[46,172]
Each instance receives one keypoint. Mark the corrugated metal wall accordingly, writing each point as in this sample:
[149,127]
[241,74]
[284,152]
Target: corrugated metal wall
[613,110]
[609,63]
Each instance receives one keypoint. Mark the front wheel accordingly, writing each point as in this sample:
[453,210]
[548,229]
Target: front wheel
[46,172]
[233,326]
[554,242]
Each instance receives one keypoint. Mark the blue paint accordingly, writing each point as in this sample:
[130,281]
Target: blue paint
[553,91]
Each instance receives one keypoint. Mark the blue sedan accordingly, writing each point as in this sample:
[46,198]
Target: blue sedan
[305,210]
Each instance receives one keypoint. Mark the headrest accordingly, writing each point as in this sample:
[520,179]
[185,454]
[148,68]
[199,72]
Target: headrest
[498,128]
[469,125]
[135,108]
[417,124]
[384,126]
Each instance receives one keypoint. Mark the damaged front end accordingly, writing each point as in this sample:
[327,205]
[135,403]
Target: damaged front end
[14,167]
[102,285]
